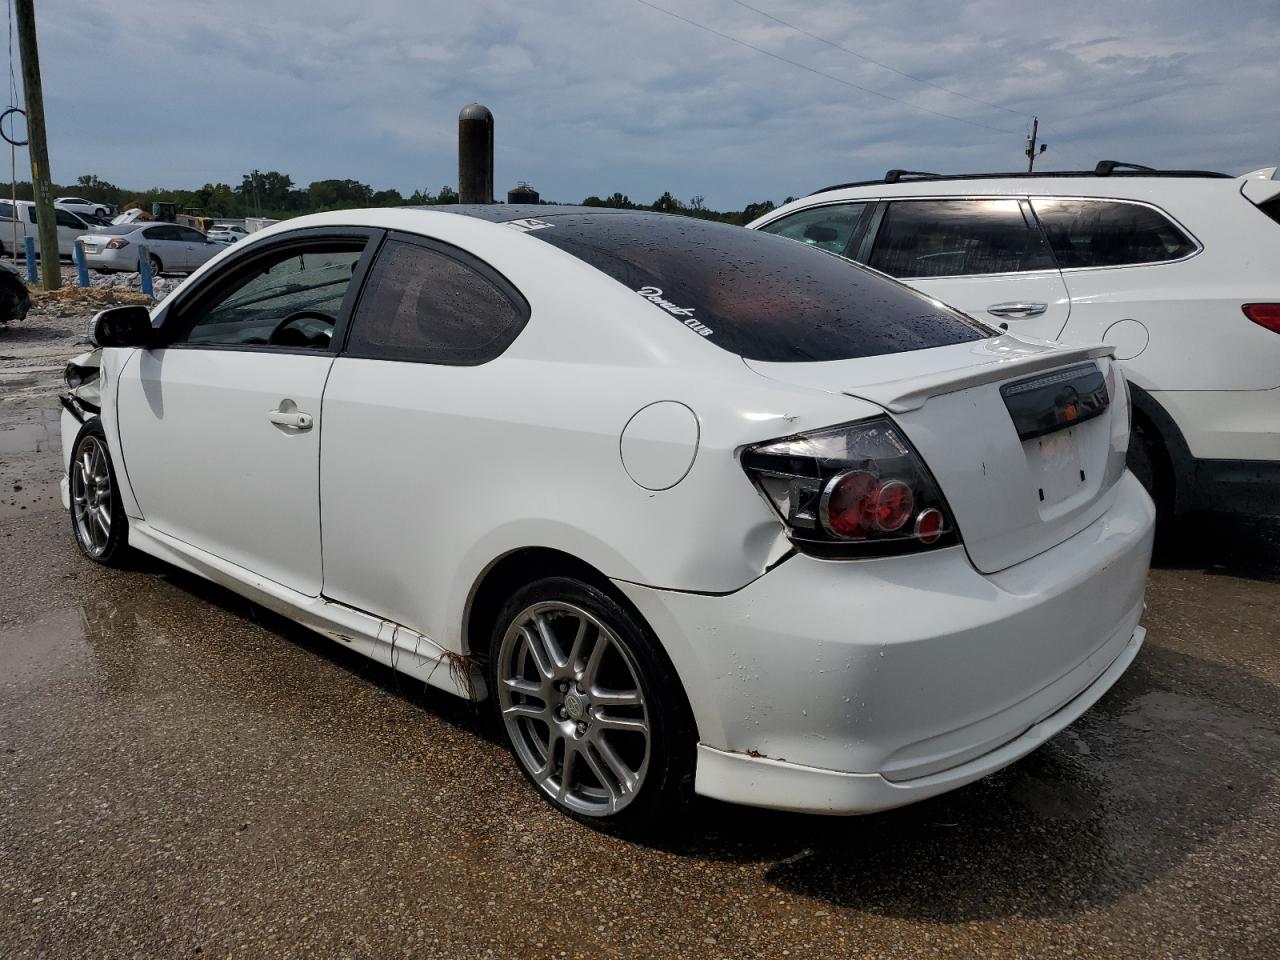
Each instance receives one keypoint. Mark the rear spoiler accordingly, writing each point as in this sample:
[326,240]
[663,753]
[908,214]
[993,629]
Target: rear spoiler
[1259,186]
[1009,357]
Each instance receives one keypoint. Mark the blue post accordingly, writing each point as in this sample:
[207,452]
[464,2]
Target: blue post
[144,268]
[82,268]
[29,245]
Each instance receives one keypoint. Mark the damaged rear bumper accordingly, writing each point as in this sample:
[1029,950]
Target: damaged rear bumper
[780,785]
[849,687]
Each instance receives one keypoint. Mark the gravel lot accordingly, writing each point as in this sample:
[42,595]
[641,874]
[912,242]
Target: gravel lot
[184,774]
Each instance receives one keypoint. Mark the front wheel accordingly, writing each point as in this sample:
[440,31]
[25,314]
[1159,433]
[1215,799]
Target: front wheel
[591,705]
[97,515]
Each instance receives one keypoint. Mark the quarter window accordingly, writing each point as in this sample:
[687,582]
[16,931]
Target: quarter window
[422,303]
[1105,233]
[830,227]
[292,298]
[951,238]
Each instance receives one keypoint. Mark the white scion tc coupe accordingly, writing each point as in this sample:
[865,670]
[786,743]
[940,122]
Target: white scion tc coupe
[696,508]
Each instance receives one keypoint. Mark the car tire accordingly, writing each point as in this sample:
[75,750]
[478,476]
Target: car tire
[1149,462]
[603,732]
[156,265]
[98,521]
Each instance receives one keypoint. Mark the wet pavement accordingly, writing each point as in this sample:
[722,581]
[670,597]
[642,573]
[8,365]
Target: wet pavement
[185,774]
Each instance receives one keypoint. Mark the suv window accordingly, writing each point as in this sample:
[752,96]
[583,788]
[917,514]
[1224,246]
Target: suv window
[830,227]
[305,282]
[955,238]
[1107,233]
[425,304]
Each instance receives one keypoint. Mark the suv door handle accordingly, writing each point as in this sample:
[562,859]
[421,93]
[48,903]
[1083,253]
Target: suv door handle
[1017,309]
[290,418]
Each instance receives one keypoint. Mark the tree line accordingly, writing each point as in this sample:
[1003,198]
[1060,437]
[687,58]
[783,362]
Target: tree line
[273,194]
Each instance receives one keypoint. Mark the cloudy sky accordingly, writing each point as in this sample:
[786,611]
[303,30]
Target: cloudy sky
[593,96]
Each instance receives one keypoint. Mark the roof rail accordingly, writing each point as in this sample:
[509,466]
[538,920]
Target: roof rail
[895,176]
[1105,168]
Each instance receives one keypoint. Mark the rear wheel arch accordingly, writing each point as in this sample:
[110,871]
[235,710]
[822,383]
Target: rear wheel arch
[511,571]
[520,567]
[1151,418]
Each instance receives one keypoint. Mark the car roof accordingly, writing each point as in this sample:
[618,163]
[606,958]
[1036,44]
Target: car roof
[507,212]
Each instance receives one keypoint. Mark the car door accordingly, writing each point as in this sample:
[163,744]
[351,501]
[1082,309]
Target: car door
[985,256]
[196,247]
[402,405]
[69,227]
[162,241]
[220,424]
[12,230]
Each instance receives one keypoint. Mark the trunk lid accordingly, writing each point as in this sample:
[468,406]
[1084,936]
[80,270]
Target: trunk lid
[1026,439]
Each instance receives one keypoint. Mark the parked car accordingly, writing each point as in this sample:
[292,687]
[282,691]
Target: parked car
[227,232]
[1178,270]
[693,506]
[17,225]
[171,248]
[85,208]
[15,298]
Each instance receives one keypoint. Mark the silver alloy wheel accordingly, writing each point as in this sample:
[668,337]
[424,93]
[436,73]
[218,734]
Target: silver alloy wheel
[91,495]
[571,701]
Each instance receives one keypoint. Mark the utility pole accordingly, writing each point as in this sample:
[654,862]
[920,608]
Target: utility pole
[1031,145]
[41,180]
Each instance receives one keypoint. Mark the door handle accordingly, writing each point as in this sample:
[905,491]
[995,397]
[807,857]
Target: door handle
[1017,309]
[289,416]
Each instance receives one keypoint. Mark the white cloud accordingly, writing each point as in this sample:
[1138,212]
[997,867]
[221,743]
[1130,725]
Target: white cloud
[593,96]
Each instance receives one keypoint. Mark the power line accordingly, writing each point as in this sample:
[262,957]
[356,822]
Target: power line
[885,66]
[821,73]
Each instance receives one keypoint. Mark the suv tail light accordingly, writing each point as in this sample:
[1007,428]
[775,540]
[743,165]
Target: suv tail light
[855,490]
[117,243]
[1264,315]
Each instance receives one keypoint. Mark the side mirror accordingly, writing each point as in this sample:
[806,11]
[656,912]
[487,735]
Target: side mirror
[123,327]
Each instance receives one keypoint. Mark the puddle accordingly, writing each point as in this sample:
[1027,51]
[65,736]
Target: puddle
[44,647]
[33,431]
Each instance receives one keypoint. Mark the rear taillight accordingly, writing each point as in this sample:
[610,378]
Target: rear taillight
[117,243]
[855,490]
[1264,315]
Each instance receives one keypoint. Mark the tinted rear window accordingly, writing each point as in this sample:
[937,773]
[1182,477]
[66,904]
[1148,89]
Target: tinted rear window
[1108,233]
[755,294]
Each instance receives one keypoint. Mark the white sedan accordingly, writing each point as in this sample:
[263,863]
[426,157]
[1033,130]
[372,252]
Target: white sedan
[86,208]
[169,248]
[695,508]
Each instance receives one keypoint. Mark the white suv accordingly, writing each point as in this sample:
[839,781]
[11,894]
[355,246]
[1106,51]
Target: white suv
[1178,269]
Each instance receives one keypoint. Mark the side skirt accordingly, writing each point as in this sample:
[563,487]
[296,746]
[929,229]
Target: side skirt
[399,647]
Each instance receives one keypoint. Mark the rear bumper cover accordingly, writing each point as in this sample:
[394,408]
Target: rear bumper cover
[780,785]
[899,678]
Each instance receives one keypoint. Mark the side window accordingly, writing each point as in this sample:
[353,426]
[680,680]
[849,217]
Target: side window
[830,227]
[160,233]
[6,211]
[423,304]
[289,298]
[951,238]
[1105,233]
[188,235]
[66,219]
